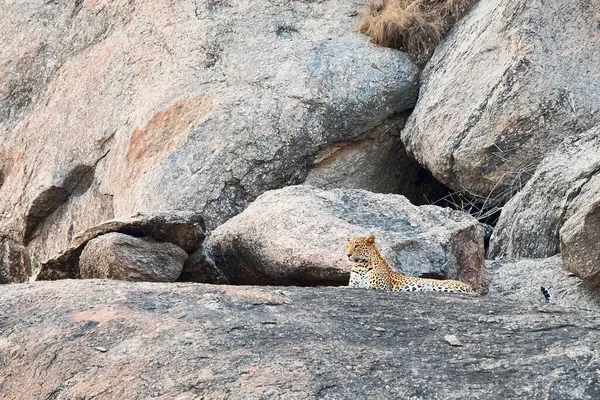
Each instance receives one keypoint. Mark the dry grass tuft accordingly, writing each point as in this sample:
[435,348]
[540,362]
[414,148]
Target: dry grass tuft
[413,26]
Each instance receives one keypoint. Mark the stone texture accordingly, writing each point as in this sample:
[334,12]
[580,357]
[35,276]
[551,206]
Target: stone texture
[377,162]
[200,267]
[354,164]
[123,340]
[14,262]
[127,258]
[565,183]
[298,235]
[580,242]
[182,229]
[521,280]
[112,109]
[510,82]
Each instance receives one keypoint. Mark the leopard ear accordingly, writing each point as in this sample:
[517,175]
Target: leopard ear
[371,239]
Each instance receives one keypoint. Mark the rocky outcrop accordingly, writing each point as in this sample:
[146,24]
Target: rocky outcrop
[377,162]
[565,183]
[297,235]
[580,242]
[521,280]
[182,229]
[190,341]
[177,106]
[510,82]
[354,164]
[127,258]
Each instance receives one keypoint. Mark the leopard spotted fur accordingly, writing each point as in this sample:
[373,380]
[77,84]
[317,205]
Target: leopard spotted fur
[371,271]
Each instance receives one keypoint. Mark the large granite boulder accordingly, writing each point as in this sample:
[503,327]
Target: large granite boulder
[109,109]
[127,258]
[298,234]
[565,183]
[509,83]
[124,340]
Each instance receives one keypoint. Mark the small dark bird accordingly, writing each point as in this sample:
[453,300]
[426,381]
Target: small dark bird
[547,295]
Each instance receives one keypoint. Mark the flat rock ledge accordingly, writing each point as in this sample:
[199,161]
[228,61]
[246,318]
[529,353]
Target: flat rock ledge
[121,340]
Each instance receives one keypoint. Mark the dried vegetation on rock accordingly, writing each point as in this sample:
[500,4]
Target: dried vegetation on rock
[129,134]
[413,26]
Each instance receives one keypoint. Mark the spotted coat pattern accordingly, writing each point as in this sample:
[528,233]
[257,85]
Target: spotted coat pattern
[371,271]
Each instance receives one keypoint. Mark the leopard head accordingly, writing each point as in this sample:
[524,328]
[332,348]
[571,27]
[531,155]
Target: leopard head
[360,252]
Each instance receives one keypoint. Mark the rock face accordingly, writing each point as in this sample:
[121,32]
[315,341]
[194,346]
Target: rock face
[190,341]
[182,229]
[14,262]
[521,281]
[354,164]
[512,80]
[566,183]
[580,243]
[177,106]
[127,258]
[378,163]
[298,234]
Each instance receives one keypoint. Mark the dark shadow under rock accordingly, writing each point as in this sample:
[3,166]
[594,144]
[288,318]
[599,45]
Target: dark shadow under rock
[200,267]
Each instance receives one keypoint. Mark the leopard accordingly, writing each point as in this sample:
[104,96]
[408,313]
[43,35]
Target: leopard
[371,271]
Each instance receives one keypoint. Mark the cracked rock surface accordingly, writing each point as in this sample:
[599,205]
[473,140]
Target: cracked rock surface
[118,340]
[110,109]
[509,83]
